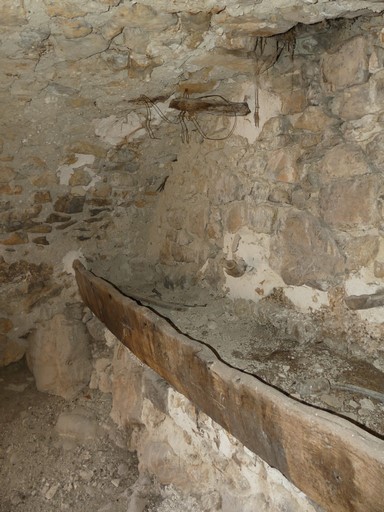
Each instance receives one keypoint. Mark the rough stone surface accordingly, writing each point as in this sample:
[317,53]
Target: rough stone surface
[58,356]
[352,203]
[304,252]
[183,446]
[94,163]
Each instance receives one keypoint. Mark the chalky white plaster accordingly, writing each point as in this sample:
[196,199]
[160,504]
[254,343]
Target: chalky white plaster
[113,130]
[269,106]
[306,298]
[69,258]
[259,279]
[64,172]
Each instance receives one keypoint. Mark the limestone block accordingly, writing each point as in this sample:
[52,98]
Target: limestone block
[69,204]
[127,399]
[360,100]
[197,221]
[116,60]
[283,164]
[176,218]
[347,66]
[155,389]
[182,253]
[58,355]
[281,195]
[79,48]
[304,252]
[11,350]
[10,190]
[159,459]
[42,196]
[274,133]
[14,220]
[261,218]
[73,28]
[101,375]
[313,119]
[18,238]
[137,21]
[227,187]
[352,203]
[34,38]
[378,269]
[293,102]
[12,12]
[375,152]
[65,8]
[343,161]
[361,251]
[235,218]
[77,425]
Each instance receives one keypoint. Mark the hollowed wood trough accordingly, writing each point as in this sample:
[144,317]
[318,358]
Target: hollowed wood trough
[334,462]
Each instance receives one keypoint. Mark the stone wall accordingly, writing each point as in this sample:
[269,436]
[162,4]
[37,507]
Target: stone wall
[294,192]
[95,165]
[185,448]
[297,198]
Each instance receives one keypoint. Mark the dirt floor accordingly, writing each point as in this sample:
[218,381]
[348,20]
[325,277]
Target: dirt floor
[310,372]
[58,455]
[69,455]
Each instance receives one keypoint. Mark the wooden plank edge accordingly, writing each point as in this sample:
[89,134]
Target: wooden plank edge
[335,463]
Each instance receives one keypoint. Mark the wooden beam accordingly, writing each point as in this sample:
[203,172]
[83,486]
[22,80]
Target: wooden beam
[335,463]
[216,105]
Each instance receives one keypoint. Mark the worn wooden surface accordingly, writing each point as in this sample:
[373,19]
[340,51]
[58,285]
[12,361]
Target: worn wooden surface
[211,105]
[335,463]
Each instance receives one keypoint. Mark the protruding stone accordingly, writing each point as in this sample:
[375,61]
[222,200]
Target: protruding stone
[40,240]
[42,196]
[5,325]
[313,119]
[10,190]
[303,252]
[235,217]
[11,350]
[74,28]
[12,12]
[7,174]
[79,177]
[64,8]
[282,164]
[352,203]
[361,251]
[360,100]
[126,388]
[69,204]
[347,66]
[343,161]
[77,425]
[261,218]
[40,228]
[375,152]
[83,48]
[54,217]
[58,356]
[18,238]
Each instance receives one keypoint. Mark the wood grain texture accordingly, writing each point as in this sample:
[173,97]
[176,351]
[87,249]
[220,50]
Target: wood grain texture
[212,105]
[335,463]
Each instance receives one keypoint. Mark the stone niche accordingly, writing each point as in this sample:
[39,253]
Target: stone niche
[274,219]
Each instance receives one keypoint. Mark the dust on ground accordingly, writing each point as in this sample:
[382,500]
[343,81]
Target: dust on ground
[311,372]
[69,455]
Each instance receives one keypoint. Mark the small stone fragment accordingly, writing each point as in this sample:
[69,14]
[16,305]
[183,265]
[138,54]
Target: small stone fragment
[69,204]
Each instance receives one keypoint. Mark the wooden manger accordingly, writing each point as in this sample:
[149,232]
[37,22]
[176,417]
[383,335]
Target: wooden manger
[335,463]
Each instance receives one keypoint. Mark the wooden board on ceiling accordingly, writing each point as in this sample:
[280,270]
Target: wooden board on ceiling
[335,463]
